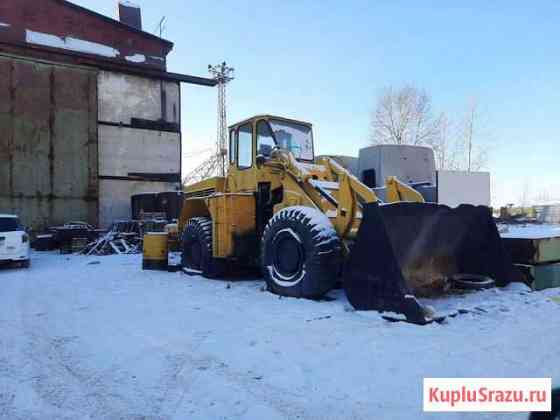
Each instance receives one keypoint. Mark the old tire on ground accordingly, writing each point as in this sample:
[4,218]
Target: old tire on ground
[197,248]
[471,282]
[301,253]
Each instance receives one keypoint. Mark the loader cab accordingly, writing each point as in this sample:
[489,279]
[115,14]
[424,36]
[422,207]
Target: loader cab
[254,140]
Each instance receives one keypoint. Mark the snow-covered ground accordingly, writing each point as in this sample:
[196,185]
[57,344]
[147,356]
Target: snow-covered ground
[530,231]
[97,337]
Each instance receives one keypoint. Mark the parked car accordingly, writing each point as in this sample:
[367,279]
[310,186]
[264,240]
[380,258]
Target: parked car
[14,241]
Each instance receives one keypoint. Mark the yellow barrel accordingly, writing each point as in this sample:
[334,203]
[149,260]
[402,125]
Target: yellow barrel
[155,251]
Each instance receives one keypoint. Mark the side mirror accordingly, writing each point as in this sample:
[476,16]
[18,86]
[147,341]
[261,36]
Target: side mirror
[261,159]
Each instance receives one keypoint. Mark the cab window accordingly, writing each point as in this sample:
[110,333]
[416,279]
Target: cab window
[265,139]
[232,148]
[295,137]
[245,146]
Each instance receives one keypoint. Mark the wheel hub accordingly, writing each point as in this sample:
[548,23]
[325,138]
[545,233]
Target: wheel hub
[288,254]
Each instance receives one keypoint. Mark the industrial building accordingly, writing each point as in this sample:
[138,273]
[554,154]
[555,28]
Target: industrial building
[89,114]
[547,212]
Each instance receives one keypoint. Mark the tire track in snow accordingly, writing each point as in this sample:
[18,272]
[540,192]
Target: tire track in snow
[58,377]
[189,370]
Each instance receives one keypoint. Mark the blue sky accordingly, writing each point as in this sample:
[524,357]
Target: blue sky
[325,62]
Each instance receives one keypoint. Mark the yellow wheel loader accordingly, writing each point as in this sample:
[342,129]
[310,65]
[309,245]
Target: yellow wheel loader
[308,223]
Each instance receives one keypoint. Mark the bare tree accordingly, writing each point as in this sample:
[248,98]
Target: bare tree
[459,145]
[525,197]
[446,150]
[475,156]
[404,116]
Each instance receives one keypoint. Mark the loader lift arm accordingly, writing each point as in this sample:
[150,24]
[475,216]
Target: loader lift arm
[381,287]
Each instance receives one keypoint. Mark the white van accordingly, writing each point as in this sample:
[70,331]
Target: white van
[14,241]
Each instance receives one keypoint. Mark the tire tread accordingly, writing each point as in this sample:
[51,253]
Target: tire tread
[202,226]
[319,265]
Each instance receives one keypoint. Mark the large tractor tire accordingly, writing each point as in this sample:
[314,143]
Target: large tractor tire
[197,257]
[301,253]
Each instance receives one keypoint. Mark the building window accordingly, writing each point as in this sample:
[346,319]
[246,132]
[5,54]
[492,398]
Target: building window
[245,146]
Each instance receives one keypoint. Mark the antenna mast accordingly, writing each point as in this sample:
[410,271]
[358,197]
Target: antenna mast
[222,74]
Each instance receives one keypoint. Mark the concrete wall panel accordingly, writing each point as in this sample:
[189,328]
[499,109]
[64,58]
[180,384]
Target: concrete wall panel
[124,150]
[122,97]
[172,102]
[408,163]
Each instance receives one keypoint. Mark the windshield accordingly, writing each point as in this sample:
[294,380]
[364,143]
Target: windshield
[294,137]
[9,224]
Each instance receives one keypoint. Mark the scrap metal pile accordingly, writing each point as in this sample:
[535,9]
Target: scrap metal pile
[124,237]
[114,242]
[68,238]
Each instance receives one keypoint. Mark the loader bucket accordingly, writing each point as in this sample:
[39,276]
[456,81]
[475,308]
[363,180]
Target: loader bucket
[372,278]
[413,248]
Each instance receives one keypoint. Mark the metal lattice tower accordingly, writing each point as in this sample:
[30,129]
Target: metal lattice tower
[216,164]
[223,75]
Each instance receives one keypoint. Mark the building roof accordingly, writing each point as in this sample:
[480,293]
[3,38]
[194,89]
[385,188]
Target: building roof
[114,22]
[62,32]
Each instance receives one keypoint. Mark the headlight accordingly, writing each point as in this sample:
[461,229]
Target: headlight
[25,238]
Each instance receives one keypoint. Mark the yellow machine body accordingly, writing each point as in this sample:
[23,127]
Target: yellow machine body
[323,184]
